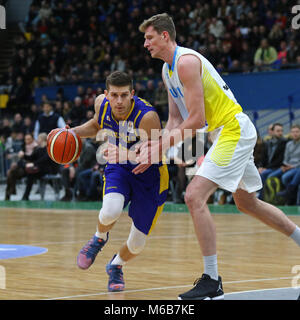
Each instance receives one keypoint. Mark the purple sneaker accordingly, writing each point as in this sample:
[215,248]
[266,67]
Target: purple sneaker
[88,253]
[116,280]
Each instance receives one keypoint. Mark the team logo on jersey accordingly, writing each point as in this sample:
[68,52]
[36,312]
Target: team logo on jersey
[176,92]
[130,127]
[108,118]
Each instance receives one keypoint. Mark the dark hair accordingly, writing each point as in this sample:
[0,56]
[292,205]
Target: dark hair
[160,22]
[277,124]
[47,102]
[119,79]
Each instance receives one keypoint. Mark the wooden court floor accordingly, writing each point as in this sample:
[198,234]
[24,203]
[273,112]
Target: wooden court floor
[251,256]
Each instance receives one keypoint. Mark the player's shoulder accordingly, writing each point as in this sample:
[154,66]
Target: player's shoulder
[142,103]
[187,56]
[99,99]
[188,65]
[151,114]
[98,102]
[149,120]
[188,60]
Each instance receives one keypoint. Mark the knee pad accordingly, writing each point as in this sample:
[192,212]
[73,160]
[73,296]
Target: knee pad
[136,240]
[112,208]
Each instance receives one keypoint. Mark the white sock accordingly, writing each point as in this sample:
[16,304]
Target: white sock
[118,260]
[296,235]
[211,266]
[101,235]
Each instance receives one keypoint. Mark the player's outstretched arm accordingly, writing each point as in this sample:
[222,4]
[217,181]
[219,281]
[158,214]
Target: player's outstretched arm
[90,128]
[150,133]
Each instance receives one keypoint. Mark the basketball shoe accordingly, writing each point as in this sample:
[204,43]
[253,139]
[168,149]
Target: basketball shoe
[205,288]
[88,253]
[115,273]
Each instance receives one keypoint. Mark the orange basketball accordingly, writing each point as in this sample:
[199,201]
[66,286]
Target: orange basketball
[63,145]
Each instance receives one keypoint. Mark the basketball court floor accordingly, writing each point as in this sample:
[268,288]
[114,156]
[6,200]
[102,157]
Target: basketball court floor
[39,243]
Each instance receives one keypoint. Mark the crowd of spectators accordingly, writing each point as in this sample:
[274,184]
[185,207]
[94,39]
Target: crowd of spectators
[70,42]
[278,160]
[75,42]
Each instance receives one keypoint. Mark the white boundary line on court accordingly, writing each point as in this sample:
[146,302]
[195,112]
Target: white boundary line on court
[166,288]
[260,290]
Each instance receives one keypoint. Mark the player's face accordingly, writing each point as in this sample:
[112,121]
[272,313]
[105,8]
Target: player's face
[154,42]
[120,99]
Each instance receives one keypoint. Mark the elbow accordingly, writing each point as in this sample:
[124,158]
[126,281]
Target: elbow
[201,124]
[192,128]
[197,124]
[196,121]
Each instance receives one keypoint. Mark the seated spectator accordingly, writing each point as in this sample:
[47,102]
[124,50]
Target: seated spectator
[19,95]
[276,35]
[290,193]
[161,101]
[70,172]
[48,120]
[282,53]
[258,150]
[291,165]
[68,180]
[13,145]
[216,27]
[77,113]
[90,183]
[5,128]
[270,132]
[293,51]
[18,124]
[38,164]
[265,55]
[28,125]
[86,160]
[17,169]
[34,113]
[150,92]
[139,89]
[226,55]
[272,155]
[67,107]
[247,52]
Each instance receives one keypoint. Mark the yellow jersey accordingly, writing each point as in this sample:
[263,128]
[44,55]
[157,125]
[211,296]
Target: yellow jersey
[220,103]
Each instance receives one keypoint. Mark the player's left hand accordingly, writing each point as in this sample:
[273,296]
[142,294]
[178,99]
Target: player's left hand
[111,153]
[114,154]
[149,153]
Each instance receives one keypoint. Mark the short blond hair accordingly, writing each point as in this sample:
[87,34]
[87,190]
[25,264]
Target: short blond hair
[295,126]
[160,22]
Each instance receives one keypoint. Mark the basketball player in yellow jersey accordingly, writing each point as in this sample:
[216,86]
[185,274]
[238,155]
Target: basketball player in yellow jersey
[197,94]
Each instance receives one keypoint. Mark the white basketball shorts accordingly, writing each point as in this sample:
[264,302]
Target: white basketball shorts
[229,162]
